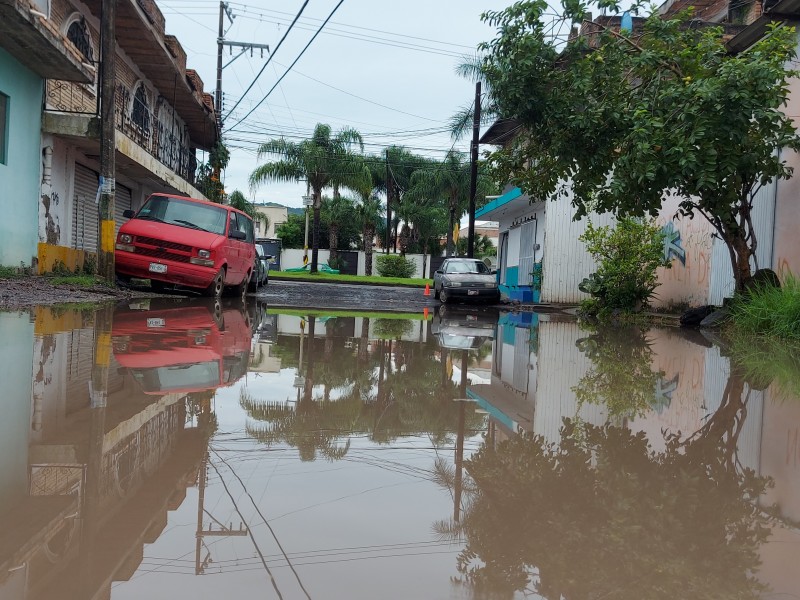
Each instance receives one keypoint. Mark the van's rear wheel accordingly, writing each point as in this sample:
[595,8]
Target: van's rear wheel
[241,289]
[215,289]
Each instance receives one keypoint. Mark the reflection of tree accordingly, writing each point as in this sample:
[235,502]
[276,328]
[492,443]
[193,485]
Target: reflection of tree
[600,515]
[387,389]
[620,376]
[392,329]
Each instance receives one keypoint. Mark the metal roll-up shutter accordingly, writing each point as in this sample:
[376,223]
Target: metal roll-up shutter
[122,201]
[85,215]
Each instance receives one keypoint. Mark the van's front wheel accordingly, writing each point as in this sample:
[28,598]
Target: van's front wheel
[215,289]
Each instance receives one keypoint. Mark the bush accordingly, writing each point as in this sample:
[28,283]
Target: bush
[394,265]
[627,256]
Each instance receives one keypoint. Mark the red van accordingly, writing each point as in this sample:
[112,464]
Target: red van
[197,244]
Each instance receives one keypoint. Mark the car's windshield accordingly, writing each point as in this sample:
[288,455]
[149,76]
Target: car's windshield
[204,217]
[467,266]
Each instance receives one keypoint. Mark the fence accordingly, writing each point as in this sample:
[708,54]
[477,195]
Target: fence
[293,257]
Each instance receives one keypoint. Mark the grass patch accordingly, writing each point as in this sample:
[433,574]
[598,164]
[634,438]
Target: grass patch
[79,280]
[322,312]
[770,311]
[9,272]
[357,279]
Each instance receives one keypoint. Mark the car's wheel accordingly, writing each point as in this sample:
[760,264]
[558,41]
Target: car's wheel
[241,289]
[444,297]
[254,283]
[216,311]
[214,290]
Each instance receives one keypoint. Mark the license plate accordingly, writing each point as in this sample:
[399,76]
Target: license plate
[472,292]
[156,323]
[158,268]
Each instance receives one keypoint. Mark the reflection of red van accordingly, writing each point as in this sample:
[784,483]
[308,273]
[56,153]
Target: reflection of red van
[193,243]
[185,347]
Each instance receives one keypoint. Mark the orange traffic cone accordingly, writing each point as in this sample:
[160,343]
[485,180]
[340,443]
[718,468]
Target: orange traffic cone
[427,290]
[425,313]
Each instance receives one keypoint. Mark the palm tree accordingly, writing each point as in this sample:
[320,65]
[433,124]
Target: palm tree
[337,210]
[369,214]
[324,160]
[238,200]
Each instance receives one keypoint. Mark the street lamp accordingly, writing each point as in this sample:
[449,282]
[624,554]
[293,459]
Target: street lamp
[307,202]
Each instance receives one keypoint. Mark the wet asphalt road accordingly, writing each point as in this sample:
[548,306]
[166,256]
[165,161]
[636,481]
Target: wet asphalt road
[343,296]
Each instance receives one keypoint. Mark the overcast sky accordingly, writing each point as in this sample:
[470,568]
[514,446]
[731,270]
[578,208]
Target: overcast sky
[388,90]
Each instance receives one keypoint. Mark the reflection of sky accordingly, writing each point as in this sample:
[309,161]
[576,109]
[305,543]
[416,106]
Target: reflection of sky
[360,527]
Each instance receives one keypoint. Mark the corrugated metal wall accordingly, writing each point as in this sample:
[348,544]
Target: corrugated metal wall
[565,262]
[561,365]
[722,283]
[85,213]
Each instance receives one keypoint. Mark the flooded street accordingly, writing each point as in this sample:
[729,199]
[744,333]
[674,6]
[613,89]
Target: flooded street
[175,448]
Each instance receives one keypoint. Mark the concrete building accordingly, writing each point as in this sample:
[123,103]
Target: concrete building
[276,216]
[32,49]
[162,117]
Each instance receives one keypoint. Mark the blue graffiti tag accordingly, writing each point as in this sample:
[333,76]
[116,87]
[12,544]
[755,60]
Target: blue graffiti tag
[663,393]
[672,243]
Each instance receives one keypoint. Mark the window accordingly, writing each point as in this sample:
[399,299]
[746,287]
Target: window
[140,112]
[78,34]
[3,128]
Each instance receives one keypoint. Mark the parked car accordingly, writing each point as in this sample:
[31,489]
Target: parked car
[272,248]
[196,244]
[260,269]
[465,278]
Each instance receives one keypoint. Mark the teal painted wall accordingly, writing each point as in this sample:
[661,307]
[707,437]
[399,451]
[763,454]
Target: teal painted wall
[20,176]
[16,365]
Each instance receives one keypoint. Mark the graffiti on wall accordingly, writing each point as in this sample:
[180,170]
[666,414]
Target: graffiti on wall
[672,243]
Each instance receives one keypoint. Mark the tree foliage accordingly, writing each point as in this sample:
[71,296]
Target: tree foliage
[324,160]
[616,119]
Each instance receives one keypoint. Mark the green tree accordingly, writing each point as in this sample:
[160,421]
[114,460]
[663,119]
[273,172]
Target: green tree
[238,200]
[449,183]
[369,215]
[292,232]
[208,179]
[338,212]
[324,160]
[483,246]
[618,119]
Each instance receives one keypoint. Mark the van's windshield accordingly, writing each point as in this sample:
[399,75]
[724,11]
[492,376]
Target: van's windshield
[204,217]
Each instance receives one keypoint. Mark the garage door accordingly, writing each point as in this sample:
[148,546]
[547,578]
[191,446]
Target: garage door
[85,215]
[122,202]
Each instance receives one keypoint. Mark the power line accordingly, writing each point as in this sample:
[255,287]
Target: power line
[263,518]
[271,54]
[335,8]
[252,537]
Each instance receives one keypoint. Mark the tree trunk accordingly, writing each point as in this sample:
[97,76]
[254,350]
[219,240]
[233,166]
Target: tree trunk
[741,260]
[315,232]
[334,243]
[369,235]
[449,251]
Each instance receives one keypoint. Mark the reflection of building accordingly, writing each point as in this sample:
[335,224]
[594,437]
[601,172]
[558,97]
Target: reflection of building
[541,364]
[98,480]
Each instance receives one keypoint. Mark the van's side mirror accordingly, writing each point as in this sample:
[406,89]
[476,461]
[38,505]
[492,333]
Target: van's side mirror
[237,235]
[128,213]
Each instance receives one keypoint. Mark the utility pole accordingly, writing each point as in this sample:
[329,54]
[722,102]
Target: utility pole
[201,563]
[220,40]
[473,175]
[107,186]
[388,205]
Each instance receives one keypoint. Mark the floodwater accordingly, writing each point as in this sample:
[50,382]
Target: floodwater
[184,449]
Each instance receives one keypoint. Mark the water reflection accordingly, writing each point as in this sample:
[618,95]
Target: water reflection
[198,449]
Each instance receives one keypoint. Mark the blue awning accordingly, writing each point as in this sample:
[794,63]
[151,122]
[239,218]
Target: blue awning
[498,202]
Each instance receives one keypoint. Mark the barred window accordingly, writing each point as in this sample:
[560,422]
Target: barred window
[140,112]
[78,34]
